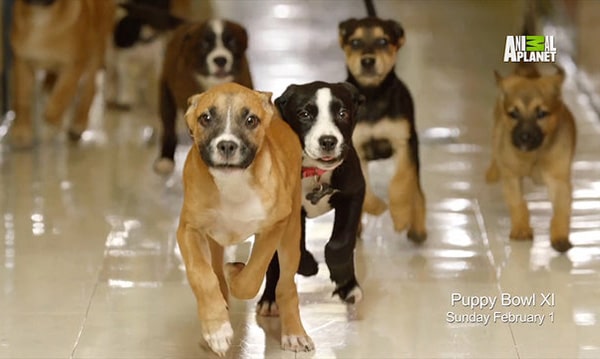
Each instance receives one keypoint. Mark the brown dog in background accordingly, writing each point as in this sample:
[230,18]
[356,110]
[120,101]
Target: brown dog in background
[241,177]
[68,39]
[534,136]
[198,57]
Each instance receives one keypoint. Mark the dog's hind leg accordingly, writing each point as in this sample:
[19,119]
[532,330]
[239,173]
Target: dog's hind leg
[212,306]
[559,191]
[168,114]
[266,305]
[24,81]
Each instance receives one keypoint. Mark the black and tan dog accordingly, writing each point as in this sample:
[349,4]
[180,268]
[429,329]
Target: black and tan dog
[323,116]
[386,122]
[198,56]
[68,40]
[240,178]
[534,136]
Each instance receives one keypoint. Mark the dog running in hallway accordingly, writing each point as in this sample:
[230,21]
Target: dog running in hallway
[386,121]
[67,39]
[198,57]
[241,178]
[534,136]
[323,116]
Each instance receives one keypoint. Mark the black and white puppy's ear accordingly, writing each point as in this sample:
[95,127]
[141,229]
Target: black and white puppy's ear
[281,101]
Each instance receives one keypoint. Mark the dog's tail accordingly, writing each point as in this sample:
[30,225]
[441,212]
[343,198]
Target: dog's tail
[127,31]
[528,69]
[370,8]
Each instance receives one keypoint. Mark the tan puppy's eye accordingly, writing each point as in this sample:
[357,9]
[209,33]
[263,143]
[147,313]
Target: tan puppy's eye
[356,44]
[514,114]
[252,121]
[205,120]
[539,114]
[343,115]
[381,42]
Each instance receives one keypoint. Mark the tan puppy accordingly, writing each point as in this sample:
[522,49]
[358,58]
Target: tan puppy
[534,136]
[67,39]
[241,178]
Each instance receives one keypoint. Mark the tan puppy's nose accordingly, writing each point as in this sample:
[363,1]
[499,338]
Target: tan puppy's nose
[367,62]
[227,148]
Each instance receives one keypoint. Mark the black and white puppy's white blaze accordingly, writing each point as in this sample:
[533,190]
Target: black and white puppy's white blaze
[323,115]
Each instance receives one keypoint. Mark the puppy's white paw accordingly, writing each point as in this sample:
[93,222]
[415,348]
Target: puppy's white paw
[164,166]
[355,296]
[219,340]
[297,343]
[75,132]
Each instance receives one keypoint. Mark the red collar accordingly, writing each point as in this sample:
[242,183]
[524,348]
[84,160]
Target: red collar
[312,171]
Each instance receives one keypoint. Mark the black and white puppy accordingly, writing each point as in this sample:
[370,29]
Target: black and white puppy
[323,115]
[198,57]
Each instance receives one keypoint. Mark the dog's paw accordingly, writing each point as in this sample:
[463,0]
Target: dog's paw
[297,343]
[267,308]
[416,236]
[561,244]
[21,138]
[308,265]
[164,166]
[521,234]
[374,205]
[350,292]
[219,339]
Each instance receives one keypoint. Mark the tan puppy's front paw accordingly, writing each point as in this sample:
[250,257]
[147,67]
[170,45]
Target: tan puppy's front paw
[561,244]
[218,336]
[75,132]
[416,236]
[296,343]
[374,205]
[21,138]
[521,234]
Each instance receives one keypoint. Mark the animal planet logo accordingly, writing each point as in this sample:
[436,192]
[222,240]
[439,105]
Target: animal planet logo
[529,48]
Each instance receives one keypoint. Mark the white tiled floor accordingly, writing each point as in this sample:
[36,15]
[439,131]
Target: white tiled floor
[88,261]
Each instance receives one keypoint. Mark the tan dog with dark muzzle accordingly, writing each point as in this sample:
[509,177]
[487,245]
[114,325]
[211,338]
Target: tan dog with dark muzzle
[534,136]
[241,177]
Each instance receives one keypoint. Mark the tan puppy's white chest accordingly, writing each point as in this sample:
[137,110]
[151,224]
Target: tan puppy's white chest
[240,211]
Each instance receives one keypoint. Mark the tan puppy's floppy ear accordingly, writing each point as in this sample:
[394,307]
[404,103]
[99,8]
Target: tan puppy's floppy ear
[190,118]
[554,82]
[265,97]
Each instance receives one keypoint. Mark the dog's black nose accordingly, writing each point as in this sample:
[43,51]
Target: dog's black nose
[327,143]
[220,61]
[367,62]
[227,148]
[525,137]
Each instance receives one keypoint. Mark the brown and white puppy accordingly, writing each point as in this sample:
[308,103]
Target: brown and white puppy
[534,136]
[198,57]
[386,121]
[241,177]
[68,40]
